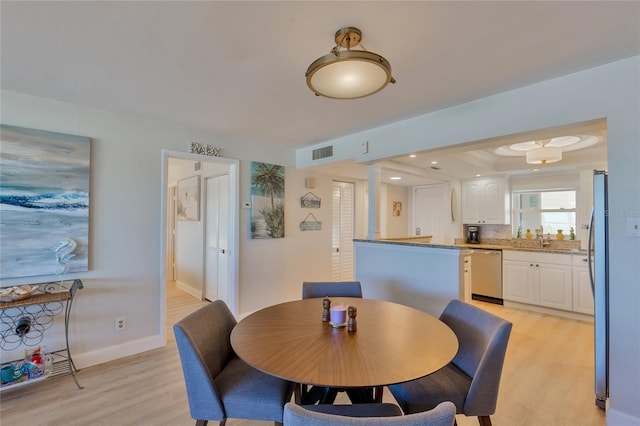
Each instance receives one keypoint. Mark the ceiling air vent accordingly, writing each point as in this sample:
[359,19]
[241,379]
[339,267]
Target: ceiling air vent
[320,153]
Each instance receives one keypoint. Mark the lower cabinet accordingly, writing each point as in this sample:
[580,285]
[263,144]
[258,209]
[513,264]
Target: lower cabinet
[558,281]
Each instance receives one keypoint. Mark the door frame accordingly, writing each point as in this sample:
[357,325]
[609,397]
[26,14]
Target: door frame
[234,219]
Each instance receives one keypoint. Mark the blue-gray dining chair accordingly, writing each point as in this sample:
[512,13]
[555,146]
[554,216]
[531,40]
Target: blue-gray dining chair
[443,414]
[471,380]
[219,384]
[331,289]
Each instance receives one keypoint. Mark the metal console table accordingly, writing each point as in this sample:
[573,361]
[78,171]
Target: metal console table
[23,323]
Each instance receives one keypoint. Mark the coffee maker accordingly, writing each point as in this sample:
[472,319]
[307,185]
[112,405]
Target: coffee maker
[473,235]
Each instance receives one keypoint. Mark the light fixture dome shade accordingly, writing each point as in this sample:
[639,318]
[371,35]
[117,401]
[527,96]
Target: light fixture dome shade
[544,155]
[348,74]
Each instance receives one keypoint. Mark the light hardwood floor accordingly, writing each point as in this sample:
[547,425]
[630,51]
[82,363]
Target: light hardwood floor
[547,381]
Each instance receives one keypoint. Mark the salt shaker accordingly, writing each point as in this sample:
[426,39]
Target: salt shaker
[326,305]
[352,311]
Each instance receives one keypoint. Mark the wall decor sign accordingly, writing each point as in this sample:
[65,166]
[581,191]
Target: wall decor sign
[188,202]
[310,201]
[310,223]
[197,148]
[44,202]
[267,200]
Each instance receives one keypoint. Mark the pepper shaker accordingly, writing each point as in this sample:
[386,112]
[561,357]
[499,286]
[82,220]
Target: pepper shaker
[352,311]
[326,305]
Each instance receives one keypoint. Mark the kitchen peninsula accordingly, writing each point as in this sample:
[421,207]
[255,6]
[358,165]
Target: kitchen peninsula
[414,272]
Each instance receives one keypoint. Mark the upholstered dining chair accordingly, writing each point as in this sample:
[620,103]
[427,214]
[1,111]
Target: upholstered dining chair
[321,289]
[331,289]
[219,384]
[471,380]
[443,414]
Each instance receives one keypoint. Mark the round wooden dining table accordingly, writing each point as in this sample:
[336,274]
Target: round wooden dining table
[392,344]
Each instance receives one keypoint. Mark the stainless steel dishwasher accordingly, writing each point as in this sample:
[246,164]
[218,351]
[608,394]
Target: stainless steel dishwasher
[486,275]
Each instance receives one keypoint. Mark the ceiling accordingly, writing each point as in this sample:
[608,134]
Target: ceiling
[236,69]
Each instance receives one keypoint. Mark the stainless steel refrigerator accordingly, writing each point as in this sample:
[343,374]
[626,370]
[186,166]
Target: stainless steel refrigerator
[598,258]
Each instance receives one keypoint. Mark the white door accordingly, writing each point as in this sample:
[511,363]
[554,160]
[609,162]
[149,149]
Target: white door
[217,239]
[342,231]
[428,211]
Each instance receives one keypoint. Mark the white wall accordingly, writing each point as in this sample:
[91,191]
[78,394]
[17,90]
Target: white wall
[611,91]
[125,227]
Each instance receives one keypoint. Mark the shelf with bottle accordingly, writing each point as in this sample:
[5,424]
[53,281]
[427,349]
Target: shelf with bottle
[23,323]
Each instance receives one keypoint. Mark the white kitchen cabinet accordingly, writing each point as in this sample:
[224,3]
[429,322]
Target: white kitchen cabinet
[542,279]
[582,293]
[486,201]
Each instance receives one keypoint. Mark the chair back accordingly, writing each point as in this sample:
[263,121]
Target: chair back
[442,415]
[203,340]
[331,289]
[483,339]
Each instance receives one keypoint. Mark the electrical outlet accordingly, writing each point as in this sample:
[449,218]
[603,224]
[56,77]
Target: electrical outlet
[121,323]
[633,226]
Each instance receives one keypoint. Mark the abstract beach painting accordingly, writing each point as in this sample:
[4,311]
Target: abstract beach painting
[44,202]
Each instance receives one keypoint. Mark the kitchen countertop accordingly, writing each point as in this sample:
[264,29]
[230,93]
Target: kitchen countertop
[465,246]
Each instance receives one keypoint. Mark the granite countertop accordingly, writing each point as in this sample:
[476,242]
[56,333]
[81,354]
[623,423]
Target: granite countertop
[466,246]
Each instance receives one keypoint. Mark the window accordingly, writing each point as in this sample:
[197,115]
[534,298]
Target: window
[553,210]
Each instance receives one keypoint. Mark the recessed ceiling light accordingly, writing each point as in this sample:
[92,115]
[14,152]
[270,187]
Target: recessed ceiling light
[412,156]
[536,170]
[434,162]
[395,178]
[478,175]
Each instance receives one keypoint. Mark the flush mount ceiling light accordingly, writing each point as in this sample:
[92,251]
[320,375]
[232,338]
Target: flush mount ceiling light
[348,74]
[549,150]
[544,154]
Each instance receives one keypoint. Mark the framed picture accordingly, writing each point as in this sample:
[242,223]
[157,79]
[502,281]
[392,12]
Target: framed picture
[188,202]
[397,208]
[267,200]
[44,202]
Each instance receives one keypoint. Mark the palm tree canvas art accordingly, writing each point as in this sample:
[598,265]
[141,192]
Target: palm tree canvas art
[267,200]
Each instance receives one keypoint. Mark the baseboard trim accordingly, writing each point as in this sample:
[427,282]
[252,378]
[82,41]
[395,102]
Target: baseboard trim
[549,311]
[112,353]
[197,293]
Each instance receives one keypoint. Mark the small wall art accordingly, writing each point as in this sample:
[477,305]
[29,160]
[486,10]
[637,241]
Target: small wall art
[267,200]
[397,208]
[188,202]
[310,201]
[310,223]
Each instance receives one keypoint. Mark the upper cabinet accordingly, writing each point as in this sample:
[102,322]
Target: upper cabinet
[486,201]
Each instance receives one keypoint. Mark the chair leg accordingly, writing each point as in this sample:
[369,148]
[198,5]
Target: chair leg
[202,422]
[378,392]
[484,420]
[277,423]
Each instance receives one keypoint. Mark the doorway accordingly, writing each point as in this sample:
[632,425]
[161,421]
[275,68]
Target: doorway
[342,231]
[427,219]
[228,281]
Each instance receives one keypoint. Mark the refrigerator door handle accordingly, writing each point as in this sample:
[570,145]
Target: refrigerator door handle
[590,252]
